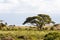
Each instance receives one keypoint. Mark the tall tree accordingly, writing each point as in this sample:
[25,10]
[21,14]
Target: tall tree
[39,20]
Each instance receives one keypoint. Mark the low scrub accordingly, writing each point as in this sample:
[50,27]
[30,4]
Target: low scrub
[30,35]
[52,36]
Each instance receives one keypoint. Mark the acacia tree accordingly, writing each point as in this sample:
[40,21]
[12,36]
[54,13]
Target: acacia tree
[39,20]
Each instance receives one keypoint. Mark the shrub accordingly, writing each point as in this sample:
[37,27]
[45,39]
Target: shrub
[52,28]
[46,28]
[4,29]
[52,36]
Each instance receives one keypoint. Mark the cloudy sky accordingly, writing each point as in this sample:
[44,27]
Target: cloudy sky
[15,11]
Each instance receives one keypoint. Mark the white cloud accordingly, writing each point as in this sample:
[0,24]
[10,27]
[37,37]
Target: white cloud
[29,6]
[7,6]
[51,7]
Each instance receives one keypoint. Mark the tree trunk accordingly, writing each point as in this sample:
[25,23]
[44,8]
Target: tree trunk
[40,27]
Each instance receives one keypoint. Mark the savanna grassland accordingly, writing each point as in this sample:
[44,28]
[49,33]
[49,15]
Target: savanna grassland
[36,32]
[17,33]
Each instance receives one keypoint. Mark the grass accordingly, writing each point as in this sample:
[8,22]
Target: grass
[24,33]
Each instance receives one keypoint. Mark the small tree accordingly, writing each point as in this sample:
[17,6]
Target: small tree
[39,20]
[2,24]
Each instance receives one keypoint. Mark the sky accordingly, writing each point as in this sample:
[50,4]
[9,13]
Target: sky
[16,11]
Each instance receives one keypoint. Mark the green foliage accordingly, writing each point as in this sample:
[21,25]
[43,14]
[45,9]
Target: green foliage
[39,20]
[30,35]
[52,36]
[2,25]
[22,35]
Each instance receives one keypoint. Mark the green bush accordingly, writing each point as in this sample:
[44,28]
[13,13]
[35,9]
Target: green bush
[52,36]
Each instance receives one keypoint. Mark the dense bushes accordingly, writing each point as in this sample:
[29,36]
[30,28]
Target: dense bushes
[52,36]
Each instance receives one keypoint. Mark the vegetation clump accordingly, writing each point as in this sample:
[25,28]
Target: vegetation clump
[37,32]
[40,20]
[52,36]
